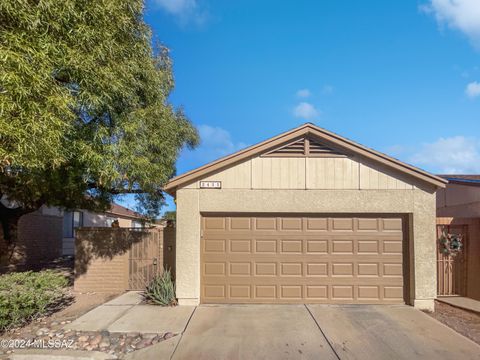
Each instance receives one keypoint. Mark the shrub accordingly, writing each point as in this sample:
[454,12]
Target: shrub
[27,295]
[161,290]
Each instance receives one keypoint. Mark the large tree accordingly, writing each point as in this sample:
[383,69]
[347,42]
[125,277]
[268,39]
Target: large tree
[84,111]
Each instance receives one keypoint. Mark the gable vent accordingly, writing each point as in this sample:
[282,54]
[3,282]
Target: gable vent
[304,147]
[295,148]
[315,148]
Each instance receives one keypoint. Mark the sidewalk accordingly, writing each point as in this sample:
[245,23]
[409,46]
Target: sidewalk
[126,314]
[461,302]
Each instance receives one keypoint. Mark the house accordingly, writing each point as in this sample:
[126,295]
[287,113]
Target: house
[49,232]
[307,216]
[125,218]
[458,212]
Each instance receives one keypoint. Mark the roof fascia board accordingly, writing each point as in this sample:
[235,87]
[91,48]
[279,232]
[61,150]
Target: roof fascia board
[307,129]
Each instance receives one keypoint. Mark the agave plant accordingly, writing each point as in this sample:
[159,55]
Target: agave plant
[161,290]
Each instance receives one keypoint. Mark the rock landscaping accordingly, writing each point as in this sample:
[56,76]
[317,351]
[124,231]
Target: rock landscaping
[117,345]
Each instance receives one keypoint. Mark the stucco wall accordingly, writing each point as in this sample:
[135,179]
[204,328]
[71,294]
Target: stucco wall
[459,201]
[418,203]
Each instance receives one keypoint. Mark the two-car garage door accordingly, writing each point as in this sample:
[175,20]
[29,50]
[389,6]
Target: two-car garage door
[302,259]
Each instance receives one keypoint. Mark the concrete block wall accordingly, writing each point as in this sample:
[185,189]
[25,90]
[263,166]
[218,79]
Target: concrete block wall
[104,256]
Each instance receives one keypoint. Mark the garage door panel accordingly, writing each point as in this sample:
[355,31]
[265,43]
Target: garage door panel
[240,245]
[291,223]
[239,292]
[342,224]
[240,269]
[214,223]
[302,259]
[308,293]
[326,281]
[240,224]
[265,223]
[316,224]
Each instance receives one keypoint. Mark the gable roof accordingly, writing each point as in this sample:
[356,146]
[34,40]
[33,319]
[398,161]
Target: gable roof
[120,210]
[304,130]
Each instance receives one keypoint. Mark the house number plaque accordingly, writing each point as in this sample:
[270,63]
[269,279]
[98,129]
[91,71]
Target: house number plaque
[210,184]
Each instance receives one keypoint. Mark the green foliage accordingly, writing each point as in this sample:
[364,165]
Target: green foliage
[84,105]
[161,291]
[170,215]
[26,295]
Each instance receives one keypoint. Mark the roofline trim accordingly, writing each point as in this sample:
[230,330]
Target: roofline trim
[305,129]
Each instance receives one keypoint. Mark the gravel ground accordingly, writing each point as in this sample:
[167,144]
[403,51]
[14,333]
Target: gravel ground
[462,321]
[50,329]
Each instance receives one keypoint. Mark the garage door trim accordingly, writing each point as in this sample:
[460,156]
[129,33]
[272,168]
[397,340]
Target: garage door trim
[341,275]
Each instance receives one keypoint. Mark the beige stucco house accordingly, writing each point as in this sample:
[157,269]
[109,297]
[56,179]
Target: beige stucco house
[306,217]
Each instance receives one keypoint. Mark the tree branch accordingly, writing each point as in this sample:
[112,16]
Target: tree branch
[121,191]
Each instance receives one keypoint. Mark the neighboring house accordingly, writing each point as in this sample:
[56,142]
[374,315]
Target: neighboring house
[49,232]
[458,211]
[71,220]
[306,217]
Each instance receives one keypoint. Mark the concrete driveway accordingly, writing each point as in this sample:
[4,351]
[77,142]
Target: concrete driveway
[312,332]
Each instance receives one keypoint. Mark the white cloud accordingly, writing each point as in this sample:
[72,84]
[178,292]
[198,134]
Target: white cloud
[463,15]
[184,10]
[303,93]
[327,89]
[452,155]
[218,139]
[305,110]
[473,89]
[215,142]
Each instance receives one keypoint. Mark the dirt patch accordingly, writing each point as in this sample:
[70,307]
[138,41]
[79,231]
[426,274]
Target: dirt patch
[462,321]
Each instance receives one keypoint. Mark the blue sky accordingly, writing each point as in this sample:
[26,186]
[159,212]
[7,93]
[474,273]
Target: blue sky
[402,77]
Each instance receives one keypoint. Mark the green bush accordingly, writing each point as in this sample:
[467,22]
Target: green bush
[161,290]
[27,295]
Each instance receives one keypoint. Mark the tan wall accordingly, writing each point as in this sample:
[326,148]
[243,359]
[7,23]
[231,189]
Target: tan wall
[91,219]
[473,251]
[39,238]
[308,173]
[458,201]
[420,204]
[103,256]
[95,219]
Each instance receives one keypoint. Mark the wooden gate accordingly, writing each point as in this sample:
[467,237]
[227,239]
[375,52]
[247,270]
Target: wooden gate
[452,270]
[145,260]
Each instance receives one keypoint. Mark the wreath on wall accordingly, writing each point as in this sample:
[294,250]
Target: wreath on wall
[452,244]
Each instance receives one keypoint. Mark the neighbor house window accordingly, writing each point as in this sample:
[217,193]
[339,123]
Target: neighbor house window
[71,220]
